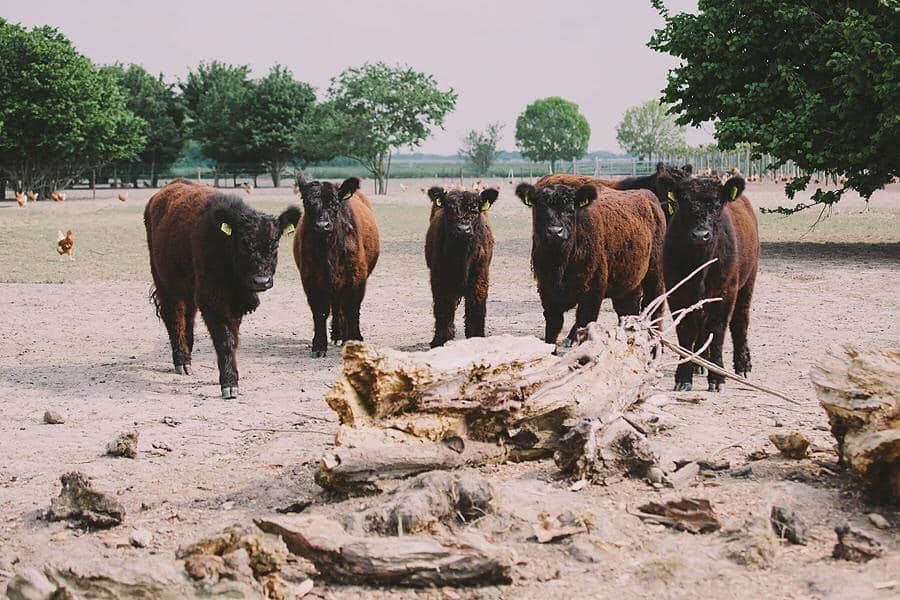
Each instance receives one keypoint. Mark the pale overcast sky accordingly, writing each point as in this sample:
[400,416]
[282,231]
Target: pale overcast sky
[499,55]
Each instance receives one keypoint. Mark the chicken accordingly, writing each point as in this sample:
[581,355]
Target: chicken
[21,199]
[122,196]
[58,197]
[32,197]
[65,244]
[248,188]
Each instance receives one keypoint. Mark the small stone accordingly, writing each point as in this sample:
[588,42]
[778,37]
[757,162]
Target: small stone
[758,455]
[583,551]
[684,476]
[878,521]
[793,445]
[124,445]
[787,526]
[161,446]
[51,417]
[140,538]
[856,545]
[80,503]
[742,472]
[655,475]
[714,465]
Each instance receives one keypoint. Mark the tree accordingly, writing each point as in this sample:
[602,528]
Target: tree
[155,102]
[215,96]
[552,129]
[379,108]
[60,114]
[811,82]
[274,116]
[648,129]
[480,147]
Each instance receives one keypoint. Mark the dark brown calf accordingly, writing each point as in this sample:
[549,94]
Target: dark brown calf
[712,221]
[458,249]
[590,244]
[213,252]
[336,248]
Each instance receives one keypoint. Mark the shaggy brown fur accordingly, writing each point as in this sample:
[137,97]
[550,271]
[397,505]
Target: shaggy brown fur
[591,244]
[209,251]
[336,249]
[458,250]
[712,221]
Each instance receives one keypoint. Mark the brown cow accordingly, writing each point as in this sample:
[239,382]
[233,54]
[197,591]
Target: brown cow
[713,220]
[590,244]
[210,251]
[458,249]
[335,249]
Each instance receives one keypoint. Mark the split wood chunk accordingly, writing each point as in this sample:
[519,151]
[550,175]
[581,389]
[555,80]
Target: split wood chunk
[859,388]
[412,560]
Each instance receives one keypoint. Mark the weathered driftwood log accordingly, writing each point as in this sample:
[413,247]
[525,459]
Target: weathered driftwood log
[412,560]
[476,401]
[860,390]
[594,450]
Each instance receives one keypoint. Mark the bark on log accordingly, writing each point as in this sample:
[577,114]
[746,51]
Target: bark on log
[476,401]
[860,390]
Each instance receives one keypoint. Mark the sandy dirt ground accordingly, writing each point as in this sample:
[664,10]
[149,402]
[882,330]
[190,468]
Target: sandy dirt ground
[80,337]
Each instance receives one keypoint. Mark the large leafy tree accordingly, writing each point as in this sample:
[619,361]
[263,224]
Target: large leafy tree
[816,83]
[480,147]
[648,129]
[60,114]
[552,129]
[216,96]
[379,108]
[155,102]
[274,117]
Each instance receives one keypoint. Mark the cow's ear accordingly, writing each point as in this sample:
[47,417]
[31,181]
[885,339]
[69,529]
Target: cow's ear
[287,221]
[225,221]
[526,193]
[349,187]
[661,168]
[436,194]
[488,197]
[733,188]
[585,195]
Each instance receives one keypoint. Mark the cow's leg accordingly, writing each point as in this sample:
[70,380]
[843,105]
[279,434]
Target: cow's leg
[225,333]
[740,320]
[173,314]
[588,310]
[717,321]
[476,306]
[351,308]
[629,304]
[653,287]
[445,303]
[338,323]
[320,308]
[190,316]
[553,320]
[688,331]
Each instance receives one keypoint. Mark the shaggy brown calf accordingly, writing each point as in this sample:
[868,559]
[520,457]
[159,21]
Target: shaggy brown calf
[210,251]
[713,220]
[335,249]
[590,244]
[458,249]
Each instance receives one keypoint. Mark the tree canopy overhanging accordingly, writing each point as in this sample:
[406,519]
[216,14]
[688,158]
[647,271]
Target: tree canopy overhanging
[816,83]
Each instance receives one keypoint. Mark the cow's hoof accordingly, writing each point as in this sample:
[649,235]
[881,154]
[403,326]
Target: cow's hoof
[317,354]
[717,386]
[699,370]
[683,387]
[337,342]
[567,342]
[229,392]
[437,343]
[743,373]
[183,369]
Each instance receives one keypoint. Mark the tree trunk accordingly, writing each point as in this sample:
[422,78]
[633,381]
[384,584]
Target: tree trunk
[275,171]
[476,401]
[216,176]
[859,388]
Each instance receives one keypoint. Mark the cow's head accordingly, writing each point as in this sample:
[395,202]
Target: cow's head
[253,239]
[462,208]
[700,203]
[666,176]
[555,209]
[325,203]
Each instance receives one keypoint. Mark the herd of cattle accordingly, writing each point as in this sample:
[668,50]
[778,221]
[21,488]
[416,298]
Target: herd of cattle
[627,240]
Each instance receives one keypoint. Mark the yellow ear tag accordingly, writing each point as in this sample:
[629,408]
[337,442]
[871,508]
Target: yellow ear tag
[733,193]
[347,196]
[226,228]
[289,229]
[439,202]
[671,196]
[670,209]
[485,206]
[527,201]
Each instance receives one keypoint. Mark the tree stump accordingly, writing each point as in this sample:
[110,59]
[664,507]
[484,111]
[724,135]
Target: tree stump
[859,388]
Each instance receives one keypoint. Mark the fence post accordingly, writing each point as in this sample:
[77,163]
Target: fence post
[574,167]
[633,167]
[94,184]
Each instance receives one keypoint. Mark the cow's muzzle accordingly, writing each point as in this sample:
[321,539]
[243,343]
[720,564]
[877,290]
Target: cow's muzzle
[262,283]
[556,233]
[323,226]
[701,236]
